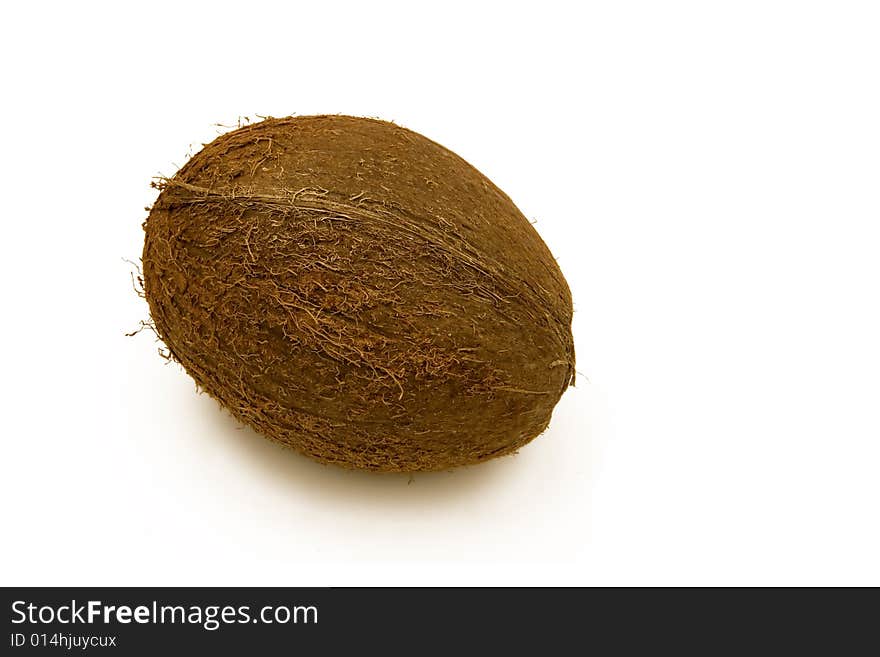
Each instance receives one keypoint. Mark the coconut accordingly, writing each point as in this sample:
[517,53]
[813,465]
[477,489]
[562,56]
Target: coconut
[351,289]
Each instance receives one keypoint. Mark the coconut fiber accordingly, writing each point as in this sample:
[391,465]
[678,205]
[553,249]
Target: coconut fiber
[356,291]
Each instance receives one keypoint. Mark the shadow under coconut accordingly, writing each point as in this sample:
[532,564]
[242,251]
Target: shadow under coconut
[288,468]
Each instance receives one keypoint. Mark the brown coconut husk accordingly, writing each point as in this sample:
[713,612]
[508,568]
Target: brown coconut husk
[354,290]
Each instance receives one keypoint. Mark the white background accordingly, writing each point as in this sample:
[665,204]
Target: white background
[706,173]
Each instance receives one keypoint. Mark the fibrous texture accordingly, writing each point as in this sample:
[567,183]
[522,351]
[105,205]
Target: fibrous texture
[356,291]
